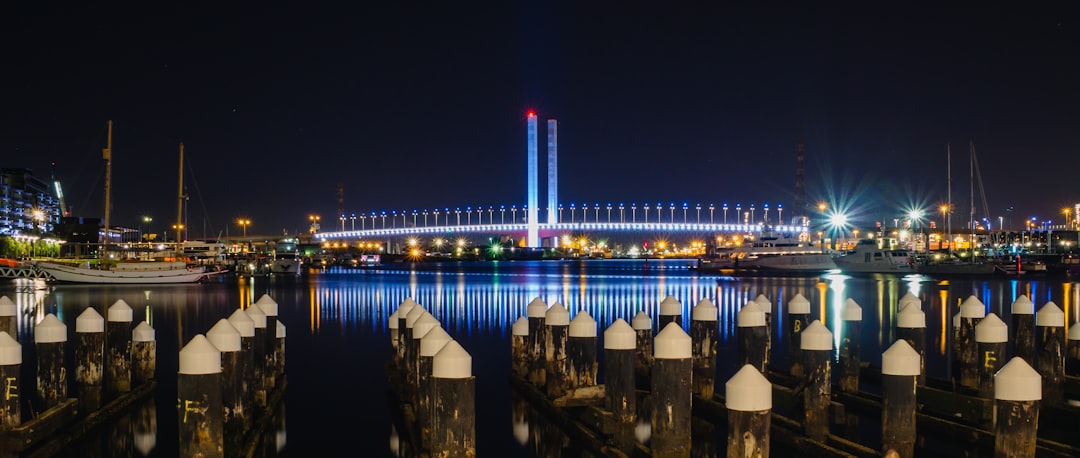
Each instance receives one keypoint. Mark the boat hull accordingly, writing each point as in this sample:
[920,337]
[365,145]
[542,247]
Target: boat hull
[76,274]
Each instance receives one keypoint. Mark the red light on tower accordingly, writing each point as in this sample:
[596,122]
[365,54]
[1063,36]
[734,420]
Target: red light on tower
[531,114]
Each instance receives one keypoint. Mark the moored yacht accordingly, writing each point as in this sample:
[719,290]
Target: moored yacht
[868,257]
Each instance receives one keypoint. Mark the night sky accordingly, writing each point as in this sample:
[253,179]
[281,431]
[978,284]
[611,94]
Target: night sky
[413,107]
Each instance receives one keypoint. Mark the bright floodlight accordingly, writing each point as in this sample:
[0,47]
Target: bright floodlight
[838,219]
[915,214]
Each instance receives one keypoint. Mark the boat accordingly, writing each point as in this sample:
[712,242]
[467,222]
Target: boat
[128,271]
[868,257]
[285,263]
[771,251]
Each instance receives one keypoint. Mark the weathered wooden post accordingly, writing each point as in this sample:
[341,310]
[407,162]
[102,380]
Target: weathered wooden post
[798,319]
[411,347]
[642,325]
[817,349]
[50,335]
[1017,395]
[850,361]
[89,358]
[670,395]
[8,310]
[581,351]
[536,311]
[143,353]
[453,423]
[430,345]
[421,328]
[670,311]
[991,336]
[402,313]
[971,311]
[519,348]
[1072,350]
[279,349]
[955,347]
[270,309]
[226,339]
[749,403]
[620,393]
[198,390]
[258,359]
[911,327]
[10,381]
[900,365]
[1023,329]
[765,305]
[703,333]
[1050,321]
[245,326]
[117,350]
[392,327]
[751,336]
[557,322]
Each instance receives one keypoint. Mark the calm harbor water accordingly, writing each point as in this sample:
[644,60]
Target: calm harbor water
[338,347]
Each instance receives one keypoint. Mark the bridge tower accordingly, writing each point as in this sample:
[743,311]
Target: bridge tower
[552,171]
[533,227]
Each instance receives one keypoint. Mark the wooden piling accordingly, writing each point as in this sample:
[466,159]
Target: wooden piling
[670,395]
[798,319]
[10,376]
[971,311]
[1072,350]
[911,327]
[1050,323]
[258,359]
[751,336]
[453,423]
[198,392]
[817,349]
[143,354]
[145,427]
[1023,329]
[8,312]
[1017,395]
[279,350]
[519,348]
[557,322]
[245,364]
[749,404]
[89,358]
[991,336]
[430,345]
[954,346]
[392,326]
[117,350]
[412,346]
[581,351]
[766,305]
[620,393]
[642,325]
[402,313]
[900,366]
[670,311]
[226,339]
[423,325]
[703,334]
[850,362]
[49,337]
[270,307]
[536,311]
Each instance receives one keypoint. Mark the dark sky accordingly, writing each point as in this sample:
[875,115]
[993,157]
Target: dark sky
[413,107]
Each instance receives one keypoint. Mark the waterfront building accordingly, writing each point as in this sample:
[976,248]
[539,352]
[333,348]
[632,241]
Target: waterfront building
[28,204]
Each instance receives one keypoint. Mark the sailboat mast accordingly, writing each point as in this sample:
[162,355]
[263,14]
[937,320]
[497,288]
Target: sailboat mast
[180,201]
[948,205]
[107,155]
[971,184]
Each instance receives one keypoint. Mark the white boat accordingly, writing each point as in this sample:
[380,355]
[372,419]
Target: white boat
[285,263]
[135,272]
[868,257]
[772,252]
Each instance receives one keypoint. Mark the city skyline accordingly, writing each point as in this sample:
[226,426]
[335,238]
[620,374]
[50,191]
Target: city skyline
[411,108]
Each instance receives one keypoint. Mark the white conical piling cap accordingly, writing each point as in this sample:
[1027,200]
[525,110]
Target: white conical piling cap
[120,312]
[1017,381]
[907,298]
[704,311]
[911,317]
[392,322]
[145,442]
[50,330]
[583,325]
[200,357]
[670,306]
[816,337]
[405,307]
[956,321]
[991,330]
[89,321]
[144,333]
[901,359]
[972,307]
[520,327]
[799,305]
[423,325]
[7,307]
[257,316]
[10,350]
[750,316]
[764,303]
[537,308]
[434,341]
[641,321]
[268,305]
[748,391]
[243,323]
[451,362]
[557,315]
[672,343]
[851,311]
[1022,305]
[415,313]
[1050,315]
[1074,332]
[620,336]
[224,336]
[280,330]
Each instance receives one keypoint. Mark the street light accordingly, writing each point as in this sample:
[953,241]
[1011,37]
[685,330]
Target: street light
[725,212]
[342,218]
[352,222]
[314,223]
[147,220]
[243,225]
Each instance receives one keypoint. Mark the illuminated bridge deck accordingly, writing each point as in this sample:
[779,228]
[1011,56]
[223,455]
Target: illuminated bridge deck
[550,230]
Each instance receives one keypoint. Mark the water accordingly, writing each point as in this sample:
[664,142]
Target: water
[338,347]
